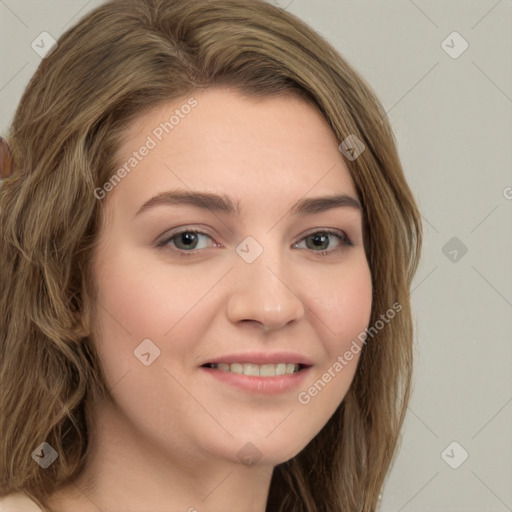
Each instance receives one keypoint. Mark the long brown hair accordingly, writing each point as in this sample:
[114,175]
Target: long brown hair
[121,60]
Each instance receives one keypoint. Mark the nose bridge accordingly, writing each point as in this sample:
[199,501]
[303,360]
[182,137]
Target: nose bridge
[262,292]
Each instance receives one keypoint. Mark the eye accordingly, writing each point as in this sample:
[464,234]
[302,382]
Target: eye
[185,241]
[321,240]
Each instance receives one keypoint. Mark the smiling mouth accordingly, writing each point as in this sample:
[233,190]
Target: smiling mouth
[257,370]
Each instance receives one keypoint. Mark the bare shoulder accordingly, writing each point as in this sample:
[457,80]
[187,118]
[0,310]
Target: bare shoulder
[18,502]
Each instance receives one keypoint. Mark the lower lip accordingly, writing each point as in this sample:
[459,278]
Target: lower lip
[265,385]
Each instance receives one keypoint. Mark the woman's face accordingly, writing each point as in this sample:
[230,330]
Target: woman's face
[260,288]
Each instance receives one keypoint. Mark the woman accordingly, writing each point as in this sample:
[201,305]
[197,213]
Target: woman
[267,368]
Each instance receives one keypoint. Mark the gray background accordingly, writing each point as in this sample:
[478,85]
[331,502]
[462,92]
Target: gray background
[452,119]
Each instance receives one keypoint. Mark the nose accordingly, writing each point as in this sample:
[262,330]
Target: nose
[264,294]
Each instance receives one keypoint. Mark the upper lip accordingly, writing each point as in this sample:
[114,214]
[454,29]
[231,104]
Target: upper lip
[261,358]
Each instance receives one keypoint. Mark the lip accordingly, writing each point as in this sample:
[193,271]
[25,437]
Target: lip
[262,358]
[263,385]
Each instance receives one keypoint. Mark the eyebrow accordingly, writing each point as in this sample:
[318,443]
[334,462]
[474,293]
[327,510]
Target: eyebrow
[224,204]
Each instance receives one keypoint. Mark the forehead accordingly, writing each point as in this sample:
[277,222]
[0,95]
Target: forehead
[249,147]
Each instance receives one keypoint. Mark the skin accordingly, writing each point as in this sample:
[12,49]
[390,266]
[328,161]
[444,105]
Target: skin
[168,436]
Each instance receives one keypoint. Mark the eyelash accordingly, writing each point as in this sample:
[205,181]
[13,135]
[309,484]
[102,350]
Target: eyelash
[345,241]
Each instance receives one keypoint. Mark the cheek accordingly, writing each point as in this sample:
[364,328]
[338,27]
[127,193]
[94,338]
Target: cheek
[342,311]
[138,300]
[147,299]
[342,301]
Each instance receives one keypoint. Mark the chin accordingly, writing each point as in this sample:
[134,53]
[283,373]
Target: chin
[261,449]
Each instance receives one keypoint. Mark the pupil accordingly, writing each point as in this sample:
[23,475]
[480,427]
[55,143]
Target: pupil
[188,238]
[321,238]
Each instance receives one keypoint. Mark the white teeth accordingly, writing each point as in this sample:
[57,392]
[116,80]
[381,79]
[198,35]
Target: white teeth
[267,370]
[290,368]
[280,369]
[263,370]
[251,369]
[235,368]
